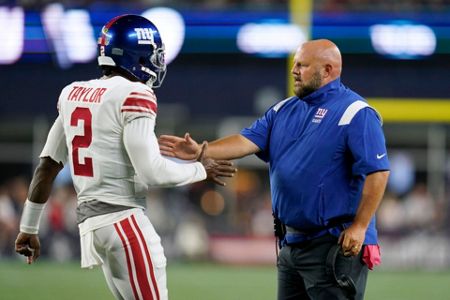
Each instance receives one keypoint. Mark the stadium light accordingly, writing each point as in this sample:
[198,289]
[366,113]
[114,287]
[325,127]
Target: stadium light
[79,36]
[71,34]
[403,40]
[170,24]
[51,20]
[270,39]
[11,34]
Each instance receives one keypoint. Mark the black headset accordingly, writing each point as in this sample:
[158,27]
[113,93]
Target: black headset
[342,277]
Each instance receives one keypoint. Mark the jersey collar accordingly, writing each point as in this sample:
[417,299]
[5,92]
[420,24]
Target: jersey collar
[322,93]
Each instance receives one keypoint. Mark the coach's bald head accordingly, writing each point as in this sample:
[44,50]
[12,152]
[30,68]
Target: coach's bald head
[316,63]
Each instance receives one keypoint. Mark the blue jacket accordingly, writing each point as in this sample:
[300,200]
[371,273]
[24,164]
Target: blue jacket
[320,149]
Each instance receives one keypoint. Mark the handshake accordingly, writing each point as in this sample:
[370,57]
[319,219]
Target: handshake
[188,149]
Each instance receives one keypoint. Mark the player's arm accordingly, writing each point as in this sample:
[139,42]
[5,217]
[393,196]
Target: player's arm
[142,147]
[230,147]
[54,153]
[27,241]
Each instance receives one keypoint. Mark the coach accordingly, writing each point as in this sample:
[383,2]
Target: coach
[328,172]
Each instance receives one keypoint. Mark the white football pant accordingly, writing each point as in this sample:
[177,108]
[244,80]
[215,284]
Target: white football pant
[134,262]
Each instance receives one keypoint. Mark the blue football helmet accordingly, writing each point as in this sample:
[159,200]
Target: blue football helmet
[133,44]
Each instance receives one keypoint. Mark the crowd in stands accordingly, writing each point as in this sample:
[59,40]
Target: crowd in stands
[187,217]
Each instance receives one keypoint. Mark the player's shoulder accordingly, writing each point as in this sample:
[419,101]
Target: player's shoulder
[139,99]
[70,86]
[66,90]
[140,89]
[78,84]
[123,88]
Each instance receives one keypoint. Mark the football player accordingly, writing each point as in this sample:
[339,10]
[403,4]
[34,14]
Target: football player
[105,132]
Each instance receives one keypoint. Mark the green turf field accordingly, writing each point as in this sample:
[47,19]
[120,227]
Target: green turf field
[47,281]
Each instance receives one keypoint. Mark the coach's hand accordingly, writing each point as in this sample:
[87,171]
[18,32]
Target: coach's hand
[29,246]
[216,168]
[184,148]
[352,239]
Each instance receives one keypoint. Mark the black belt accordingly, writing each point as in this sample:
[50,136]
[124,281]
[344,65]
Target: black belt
[296,231]
[332,223]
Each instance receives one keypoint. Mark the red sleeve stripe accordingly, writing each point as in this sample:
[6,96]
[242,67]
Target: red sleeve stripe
[140,110]
[141,103]
[149,95]
[142,96]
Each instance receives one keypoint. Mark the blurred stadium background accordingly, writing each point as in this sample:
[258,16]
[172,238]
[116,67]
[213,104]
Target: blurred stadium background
[229,63]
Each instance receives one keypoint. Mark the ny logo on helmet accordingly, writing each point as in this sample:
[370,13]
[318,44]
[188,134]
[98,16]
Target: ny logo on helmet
[144,35]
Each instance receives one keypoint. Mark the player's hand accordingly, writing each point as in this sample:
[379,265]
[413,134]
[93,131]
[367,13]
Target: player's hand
[28,245]
[184,148]
[352,239]
[216,168]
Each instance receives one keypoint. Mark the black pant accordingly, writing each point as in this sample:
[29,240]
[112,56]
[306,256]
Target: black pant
[302,272]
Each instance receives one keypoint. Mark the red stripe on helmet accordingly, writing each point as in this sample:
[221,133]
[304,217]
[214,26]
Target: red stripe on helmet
[105,28]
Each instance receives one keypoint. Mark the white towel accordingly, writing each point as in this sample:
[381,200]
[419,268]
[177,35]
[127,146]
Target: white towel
[89,256]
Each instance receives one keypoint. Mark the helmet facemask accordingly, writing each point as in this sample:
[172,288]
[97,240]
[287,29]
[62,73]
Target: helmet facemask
[157,67]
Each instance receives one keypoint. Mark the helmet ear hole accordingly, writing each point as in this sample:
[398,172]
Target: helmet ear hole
[142,60]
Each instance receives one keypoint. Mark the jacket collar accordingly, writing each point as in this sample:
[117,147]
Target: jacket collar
[321,94]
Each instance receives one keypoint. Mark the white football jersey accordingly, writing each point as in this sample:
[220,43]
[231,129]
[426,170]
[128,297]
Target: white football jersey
[93,114]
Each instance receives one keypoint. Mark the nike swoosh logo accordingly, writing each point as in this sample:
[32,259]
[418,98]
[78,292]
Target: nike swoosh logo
[381,156]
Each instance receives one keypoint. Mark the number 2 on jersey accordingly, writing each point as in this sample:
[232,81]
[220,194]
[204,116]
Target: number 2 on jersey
[82,141]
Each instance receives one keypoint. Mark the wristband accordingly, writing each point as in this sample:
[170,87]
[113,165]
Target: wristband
[31,217]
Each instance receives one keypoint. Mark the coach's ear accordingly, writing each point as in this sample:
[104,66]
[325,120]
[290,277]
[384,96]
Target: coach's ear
[327,70]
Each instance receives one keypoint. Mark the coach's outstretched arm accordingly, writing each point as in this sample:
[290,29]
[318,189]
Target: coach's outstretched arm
[27,242]
[142,147]
[230,147]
